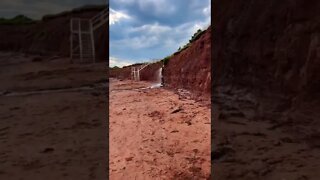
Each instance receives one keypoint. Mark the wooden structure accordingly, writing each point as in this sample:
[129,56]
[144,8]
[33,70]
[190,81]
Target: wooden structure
[82,45]
[135,71]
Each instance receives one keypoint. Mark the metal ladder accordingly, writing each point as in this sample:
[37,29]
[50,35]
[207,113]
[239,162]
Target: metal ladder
[135,71]
[82,45]
[100,19]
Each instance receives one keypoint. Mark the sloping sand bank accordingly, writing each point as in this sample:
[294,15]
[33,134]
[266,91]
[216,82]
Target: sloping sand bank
[157,134]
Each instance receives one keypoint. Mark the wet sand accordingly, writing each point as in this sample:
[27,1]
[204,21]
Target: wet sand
[52,119]
[157,134]
[263,138]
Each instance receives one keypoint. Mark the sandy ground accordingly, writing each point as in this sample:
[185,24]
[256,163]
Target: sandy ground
[157,134]
[52,119]
[263,139]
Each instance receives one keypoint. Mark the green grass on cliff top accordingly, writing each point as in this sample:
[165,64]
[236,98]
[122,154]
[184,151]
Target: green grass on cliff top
[195,36]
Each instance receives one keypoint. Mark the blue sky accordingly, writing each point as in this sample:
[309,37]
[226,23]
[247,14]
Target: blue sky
[144,30]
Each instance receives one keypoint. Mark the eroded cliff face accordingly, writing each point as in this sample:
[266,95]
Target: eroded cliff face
[188,69]
[120,73]
[267,44]
[266,82]
[191,68]
[51,35]
[149,73]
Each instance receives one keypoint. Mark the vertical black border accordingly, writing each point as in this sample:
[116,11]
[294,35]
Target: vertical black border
[212,120]
[107,91]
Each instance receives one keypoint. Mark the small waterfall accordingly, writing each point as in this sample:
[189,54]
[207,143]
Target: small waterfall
[159,79]
[159,76]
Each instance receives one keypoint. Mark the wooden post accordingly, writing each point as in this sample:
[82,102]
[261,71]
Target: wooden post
[92,42]
[80,39]
[71,40]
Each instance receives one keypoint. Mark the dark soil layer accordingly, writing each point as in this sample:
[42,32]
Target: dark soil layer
[268,45]
[191,68]
[266,89]
[51,35]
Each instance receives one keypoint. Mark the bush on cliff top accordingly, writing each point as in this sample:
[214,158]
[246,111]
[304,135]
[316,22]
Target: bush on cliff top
[194,37]
[165,60]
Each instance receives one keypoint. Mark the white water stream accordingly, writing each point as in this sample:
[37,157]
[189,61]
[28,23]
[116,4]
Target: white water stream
[159,77]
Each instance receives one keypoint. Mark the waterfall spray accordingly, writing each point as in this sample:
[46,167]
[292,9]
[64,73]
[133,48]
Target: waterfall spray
[159,82]
[160,75]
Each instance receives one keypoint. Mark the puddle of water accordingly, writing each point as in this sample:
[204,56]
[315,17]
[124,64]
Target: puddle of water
[156,86]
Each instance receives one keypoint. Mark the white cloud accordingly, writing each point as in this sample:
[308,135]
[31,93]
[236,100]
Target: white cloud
[207,10]
[116,16]
[150,29]
[158,7]
[125,1]
[137,42]
[188,29]
[200,25]
[113,61]
[151,35]
[153,39]
[145,36]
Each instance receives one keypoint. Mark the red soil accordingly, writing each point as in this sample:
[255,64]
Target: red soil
[157,134]
[191,68]
[149,73]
